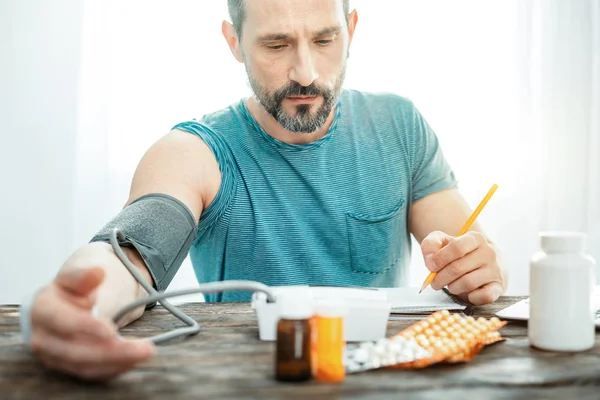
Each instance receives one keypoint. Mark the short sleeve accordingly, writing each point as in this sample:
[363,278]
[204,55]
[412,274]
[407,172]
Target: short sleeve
[431,172]
[224,158]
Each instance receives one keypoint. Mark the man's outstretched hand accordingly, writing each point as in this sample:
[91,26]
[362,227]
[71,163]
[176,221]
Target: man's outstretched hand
[68,338]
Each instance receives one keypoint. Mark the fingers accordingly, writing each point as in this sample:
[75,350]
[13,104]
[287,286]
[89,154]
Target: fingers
[99,360]
[466,264]
[473,280]
[455,249]
[433,243]
[113,351]
[51,314]
[457,268]
[78,285]
[68,338]
[486,294]
[79,281]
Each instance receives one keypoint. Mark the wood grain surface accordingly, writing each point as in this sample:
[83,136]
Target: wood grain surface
[227,361]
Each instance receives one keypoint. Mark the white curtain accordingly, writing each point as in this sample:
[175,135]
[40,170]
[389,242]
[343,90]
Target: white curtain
[40,54]
[510,86]
[561,113]
[565,110]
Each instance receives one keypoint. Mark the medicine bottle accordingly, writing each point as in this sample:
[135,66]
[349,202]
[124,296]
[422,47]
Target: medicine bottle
[292,353]
[329,343]
[562,280]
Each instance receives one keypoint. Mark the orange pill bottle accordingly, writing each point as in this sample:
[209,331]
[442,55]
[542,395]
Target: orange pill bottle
[328,343]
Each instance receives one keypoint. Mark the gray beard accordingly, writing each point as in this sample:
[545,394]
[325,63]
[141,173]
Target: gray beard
[307,120]
[304,121]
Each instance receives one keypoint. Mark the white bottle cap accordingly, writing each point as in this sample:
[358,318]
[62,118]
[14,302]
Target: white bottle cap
[561,242]
[295,303]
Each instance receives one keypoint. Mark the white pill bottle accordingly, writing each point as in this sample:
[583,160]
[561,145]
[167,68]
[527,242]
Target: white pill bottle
[561,303]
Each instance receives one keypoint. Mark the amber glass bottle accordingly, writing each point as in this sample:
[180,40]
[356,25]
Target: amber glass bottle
[292,355]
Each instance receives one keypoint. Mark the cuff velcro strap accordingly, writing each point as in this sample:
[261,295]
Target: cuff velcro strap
[161,228]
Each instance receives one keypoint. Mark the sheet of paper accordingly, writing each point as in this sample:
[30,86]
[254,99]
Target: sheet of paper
[407,300]
[520,310]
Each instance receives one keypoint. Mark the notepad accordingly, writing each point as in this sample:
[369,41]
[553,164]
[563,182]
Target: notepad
[407,300]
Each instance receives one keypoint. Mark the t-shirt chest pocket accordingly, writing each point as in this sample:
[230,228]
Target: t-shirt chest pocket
[376,240]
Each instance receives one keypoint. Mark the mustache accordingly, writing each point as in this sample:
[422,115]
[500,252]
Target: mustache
[294,89]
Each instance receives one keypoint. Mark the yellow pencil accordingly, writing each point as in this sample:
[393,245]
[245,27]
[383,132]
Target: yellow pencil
[464,229]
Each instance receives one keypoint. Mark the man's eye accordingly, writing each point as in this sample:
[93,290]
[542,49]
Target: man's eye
[276,47]
[324,42]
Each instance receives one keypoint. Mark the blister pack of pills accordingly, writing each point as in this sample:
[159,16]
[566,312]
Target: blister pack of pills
[382,353]
[441,337]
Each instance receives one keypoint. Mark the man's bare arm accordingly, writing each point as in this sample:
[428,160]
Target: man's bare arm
[179,165]
[182,166]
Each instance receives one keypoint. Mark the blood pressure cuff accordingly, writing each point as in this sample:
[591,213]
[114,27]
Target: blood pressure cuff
[161,228]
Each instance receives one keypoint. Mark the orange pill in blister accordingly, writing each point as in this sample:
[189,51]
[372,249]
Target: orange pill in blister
[452,337]
[472,329]
[492,337]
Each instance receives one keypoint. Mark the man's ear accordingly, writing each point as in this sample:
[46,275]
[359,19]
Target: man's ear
[231,37]
[352,21]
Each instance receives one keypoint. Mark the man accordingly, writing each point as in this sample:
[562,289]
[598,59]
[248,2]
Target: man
[302,183]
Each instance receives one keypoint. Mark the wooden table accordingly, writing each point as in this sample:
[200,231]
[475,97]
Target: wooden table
[226,360]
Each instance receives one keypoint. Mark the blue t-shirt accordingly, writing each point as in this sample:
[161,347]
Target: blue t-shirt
[332,212]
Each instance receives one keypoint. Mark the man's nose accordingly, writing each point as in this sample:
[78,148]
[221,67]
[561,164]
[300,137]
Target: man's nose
[304,70]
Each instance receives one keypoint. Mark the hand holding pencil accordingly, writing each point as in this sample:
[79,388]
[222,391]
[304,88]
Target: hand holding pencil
[467,263]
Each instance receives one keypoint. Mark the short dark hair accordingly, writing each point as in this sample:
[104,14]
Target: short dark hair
[237,13]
